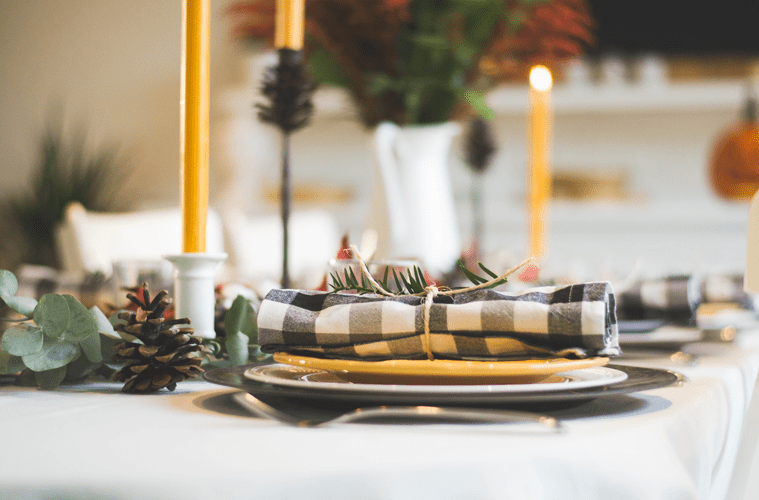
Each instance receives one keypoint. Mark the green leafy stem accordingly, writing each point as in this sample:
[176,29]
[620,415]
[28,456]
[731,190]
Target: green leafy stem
[240,333]
[57,338]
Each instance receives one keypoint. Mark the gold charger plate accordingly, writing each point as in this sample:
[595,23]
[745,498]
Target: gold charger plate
[441,371]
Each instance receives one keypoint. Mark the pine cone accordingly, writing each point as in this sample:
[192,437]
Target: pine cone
[165,356]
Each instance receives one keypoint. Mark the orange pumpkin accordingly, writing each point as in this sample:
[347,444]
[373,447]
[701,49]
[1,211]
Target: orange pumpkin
[734,169]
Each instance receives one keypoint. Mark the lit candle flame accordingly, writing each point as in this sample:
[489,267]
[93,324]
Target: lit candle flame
[540,78]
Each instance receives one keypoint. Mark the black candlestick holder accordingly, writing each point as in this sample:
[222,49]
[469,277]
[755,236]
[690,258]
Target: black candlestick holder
[289,89]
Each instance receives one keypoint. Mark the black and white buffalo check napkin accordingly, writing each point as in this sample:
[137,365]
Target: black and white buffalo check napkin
[576,320]
[677,297]
[672,297]
[721,287]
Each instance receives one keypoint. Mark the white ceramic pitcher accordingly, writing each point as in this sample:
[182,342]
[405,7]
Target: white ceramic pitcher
[413,208]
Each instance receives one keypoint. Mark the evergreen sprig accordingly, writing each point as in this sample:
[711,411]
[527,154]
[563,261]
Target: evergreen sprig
[411,283]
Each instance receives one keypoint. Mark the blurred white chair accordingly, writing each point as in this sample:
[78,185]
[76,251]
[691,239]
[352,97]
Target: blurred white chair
[93,241]
[255,244]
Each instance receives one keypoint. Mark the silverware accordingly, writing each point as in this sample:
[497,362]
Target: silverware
[400,414]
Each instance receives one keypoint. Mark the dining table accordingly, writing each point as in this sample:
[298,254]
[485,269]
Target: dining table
[693,439]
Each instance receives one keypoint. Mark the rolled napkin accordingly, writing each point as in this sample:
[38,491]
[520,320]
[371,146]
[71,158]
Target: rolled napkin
[718,287]
[569,321]
[675,298]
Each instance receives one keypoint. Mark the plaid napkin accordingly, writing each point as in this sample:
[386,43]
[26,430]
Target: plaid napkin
[677,298]
[726,288]
[673,297]
[577,321]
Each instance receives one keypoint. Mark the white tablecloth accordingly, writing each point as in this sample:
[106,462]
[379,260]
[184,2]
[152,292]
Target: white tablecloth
[680,442]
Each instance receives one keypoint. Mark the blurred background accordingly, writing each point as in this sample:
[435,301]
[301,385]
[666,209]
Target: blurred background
[636,122]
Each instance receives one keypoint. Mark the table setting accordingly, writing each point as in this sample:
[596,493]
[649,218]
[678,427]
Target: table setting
[422,377]
[693,429]
[471,377]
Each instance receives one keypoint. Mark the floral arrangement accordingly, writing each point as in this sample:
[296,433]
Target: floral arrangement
[425,61]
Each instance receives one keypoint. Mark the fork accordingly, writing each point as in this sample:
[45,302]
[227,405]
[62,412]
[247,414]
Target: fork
[390,413]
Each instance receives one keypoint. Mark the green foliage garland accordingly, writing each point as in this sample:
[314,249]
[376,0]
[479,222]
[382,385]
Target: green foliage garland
[57,338]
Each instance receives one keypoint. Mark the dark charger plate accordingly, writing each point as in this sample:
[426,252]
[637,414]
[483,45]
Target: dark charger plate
[638,379]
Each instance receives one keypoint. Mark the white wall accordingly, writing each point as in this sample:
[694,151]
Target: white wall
[111,65]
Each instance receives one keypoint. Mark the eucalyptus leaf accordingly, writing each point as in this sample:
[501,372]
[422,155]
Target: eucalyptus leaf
[101,321]
[107,348]
[52,314]
[23,339]
[81,323]
[249,326]
[91,347]
[26,379]
[237,348]
[10,363]
[22,305]
[235,316]
[80,368]
[213,345]
[55,353]
[50,379]
[8,284]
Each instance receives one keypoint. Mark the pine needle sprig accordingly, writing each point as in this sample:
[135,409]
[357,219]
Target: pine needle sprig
[412,282]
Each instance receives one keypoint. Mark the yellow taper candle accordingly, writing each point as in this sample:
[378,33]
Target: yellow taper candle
[195,105]
[290,21]
[539,131]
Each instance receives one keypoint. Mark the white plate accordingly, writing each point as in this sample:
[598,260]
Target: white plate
[309,378]
[668,334]
[740,319]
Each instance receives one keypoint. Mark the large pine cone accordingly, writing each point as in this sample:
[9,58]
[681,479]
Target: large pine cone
[165,356]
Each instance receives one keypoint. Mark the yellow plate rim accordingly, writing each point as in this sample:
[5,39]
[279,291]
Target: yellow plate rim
[443,367]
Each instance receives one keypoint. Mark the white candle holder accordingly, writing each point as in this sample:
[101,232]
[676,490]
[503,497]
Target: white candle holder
[194,295]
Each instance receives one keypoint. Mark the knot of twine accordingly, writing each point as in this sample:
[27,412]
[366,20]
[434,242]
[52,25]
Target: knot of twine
[432,291]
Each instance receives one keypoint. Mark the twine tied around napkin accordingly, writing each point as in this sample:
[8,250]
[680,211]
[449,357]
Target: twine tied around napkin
[476,324]
[432,291]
